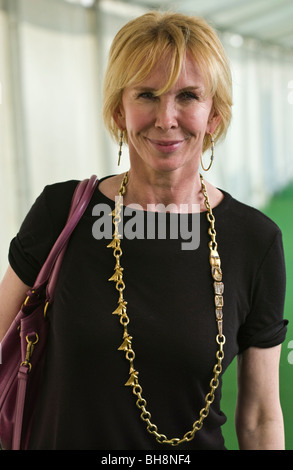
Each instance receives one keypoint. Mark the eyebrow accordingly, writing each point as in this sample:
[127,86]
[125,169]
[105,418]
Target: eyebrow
[188,88]
[193,88]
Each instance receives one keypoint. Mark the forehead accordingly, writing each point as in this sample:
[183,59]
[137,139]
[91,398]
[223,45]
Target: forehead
[190,75]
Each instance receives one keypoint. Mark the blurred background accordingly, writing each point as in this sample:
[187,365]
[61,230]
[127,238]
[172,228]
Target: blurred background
[52,59]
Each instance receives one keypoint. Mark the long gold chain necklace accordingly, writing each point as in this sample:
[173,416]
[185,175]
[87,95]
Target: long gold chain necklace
[126,345]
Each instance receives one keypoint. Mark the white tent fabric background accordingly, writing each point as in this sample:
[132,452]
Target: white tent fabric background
[52,59]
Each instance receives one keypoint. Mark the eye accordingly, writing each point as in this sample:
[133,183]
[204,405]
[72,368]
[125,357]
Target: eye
[188,96]
[147,95]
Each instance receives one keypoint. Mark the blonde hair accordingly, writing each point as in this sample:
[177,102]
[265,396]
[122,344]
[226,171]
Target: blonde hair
[144,41]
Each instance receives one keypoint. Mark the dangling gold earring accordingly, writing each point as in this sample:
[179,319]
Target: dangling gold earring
[120,146]
[212,155]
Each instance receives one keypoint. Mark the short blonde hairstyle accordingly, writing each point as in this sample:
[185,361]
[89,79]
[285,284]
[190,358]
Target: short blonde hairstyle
[139,46]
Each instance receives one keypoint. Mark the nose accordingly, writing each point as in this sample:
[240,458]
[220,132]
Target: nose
[166,114]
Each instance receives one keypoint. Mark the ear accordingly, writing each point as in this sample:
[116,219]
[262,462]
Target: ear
[214,121]
[119,117]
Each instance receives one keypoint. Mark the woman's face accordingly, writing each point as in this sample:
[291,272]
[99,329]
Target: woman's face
[166,132]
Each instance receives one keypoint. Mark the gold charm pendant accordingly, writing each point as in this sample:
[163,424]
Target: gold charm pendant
[126,345]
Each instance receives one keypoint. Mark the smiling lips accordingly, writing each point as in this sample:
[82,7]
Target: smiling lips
[166,146]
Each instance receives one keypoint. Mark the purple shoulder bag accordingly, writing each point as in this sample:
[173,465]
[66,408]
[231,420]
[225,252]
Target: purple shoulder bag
[23,347]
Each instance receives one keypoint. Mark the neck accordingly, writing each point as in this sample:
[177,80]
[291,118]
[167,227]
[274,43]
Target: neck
[177,192]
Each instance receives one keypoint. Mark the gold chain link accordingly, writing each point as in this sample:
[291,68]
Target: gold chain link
[126,345]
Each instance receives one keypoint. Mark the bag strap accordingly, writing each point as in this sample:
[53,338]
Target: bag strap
[49,273]
[50,270]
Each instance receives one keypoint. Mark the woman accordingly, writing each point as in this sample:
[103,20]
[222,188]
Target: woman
[170,337]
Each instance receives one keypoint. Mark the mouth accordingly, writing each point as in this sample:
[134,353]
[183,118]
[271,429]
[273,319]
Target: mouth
[166,146]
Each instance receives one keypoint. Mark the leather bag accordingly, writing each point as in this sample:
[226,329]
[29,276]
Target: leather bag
[23,347]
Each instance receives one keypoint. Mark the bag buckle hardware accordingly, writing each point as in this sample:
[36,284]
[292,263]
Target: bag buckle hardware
[29,350]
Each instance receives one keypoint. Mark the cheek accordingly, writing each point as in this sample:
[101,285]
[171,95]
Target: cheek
[137,120]
[196,119]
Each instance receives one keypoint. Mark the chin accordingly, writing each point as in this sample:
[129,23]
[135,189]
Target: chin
[169,164]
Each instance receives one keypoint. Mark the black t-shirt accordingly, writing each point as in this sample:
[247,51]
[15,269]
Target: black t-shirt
[84,403]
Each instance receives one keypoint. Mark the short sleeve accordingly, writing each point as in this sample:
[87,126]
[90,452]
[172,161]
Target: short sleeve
[30,247]
[265,326]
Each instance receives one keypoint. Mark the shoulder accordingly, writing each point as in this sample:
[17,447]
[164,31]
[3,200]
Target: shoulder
[237,214]
[63,189]
[49,212]
[55,200]
[247,233]
[39,230]
[250,219]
